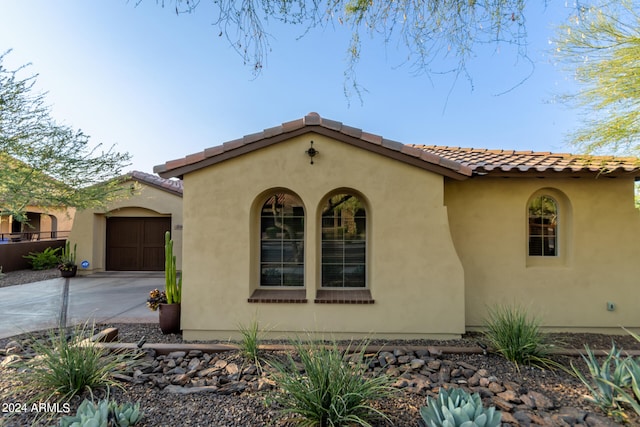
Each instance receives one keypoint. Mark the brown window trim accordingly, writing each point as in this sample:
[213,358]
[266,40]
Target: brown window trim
[343,296]
[291,296]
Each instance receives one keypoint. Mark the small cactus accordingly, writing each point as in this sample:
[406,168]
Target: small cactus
[173,280]
[458,408]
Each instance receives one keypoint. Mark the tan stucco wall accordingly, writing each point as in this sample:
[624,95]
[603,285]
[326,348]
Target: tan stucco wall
[414,274]
[599,252]
[89,226]
[51,219]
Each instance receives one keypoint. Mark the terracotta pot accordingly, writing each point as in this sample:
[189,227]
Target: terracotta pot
[69,273]
[169,318]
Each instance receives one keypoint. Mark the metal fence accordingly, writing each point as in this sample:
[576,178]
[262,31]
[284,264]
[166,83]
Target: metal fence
[32,236]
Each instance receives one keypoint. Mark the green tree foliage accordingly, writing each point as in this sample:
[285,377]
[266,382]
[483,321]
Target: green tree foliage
[601,47]
[428,29]
[44,163]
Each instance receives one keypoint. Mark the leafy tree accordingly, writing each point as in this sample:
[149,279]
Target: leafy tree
[428,29]
[44,163]
[601,47]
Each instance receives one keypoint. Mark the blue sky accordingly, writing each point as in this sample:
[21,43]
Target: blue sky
[162,86]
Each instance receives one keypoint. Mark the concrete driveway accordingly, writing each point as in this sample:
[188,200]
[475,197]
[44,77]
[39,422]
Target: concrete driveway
[103,297]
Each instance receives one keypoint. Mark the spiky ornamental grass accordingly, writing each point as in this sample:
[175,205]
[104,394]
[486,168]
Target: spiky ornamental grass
[250,342]
[330,389]
[512,333]
[66,364]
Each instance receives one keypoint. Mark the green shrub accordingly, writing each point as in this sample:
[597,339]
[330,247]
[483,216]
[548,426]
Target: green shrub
[49,258]
[68,365]
[104,414]
[512,334]
[329,390]
[457,408]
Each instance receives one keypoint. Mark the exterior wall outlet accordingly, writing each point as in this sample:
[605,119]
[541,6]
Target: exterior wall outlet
[611,306]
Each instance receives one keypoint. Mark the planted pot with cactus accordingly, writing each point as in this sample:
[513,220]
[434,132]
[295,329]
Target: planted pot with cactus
[68,266]
[170,299]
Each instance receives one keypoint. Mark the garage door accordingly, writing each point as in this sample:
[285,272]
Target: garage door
[136,244]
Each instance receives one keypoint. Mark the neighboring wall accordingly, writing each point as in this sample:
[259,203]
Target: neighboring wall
[89,227]
[12,254]
[414,274]
[599,251]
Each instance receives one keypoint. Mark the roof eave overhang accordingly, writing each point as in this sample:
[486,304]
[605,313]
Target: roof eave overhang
[159,187]
[233,149]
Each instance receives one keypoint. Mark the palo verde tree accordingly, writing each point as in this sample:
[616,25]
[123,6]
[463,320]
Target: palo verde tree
[426,29]
[600,46]
[44,163]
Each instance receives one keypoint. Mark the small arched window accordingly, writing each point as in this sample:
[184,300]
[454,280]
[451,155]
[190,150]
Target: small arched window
[282,241]
[344,242]
[543,226]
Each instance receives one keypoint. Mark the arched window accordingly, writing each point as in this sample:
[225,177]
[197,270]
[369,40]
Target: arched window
[282,241]
[344,241]
[543,226]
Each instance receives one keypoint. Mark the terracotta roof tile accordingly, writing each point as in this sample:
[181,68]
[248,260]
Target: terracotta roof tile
[351,131]
[312,119]
[292,125]
[453,162]
[372,138]
[232,145]
[214,151]
[313,123]
[394,145]
[171,185]
[482,161]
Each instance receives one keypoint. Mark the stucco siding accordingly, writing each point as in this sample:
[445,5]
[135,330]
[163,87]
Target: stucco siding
[413,272]
[598,250]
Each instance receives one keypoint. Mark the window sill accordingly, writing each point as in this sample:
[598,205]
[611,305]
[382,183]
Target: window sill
[289,296]
[341,296]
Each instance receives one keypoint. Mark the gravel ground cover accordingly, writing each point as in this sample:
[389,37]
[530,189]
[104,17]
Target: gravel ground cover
[21,277]
[248,408]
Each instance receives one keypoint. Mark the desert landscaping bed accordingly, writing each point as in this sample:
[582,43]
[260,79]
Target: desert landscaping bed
[222,389]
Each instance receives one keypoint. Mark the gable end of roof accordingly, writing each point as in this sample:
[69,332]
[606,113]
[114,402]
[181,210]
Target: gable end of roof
[313,123]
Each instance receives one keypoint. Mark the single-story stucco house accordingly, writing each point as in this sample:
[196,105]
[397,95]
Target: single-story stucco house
[320,227]
[128,235]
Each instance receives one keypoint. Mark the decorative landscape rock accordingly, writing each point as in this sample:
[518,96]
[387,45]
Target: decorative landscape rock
[414,373]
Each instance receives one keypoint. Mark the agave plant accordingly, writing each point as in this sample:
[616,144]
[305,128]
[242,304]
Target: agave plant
[103,414]
[458,408]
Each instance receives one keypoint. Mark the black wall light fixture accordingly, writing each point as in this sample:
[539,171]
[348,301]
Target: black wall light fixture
[312,152]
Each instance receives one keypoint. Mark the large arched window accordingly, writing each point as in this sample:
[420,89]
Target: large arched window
[344,241]
[282,241]
[543,226]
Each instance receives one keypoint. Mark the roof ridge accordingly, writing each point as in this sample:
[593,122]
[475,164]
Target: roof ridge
[313,122]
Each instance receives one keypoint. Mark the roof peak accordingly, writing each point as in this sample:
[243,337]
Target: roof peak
[454,162]
[313,122]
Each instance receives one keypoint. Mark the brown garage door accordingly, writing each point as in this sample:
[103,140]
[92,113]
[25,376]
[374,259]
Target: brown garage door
[136,244]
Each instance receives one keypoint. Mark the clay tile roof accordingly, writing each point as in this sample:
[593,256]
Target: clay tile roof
[504,162]
[453,162]
[170,185]
[313,122]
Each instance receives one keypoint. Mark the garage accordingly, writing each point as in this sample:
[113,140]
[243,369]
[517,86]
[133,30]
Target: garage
[136,244]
